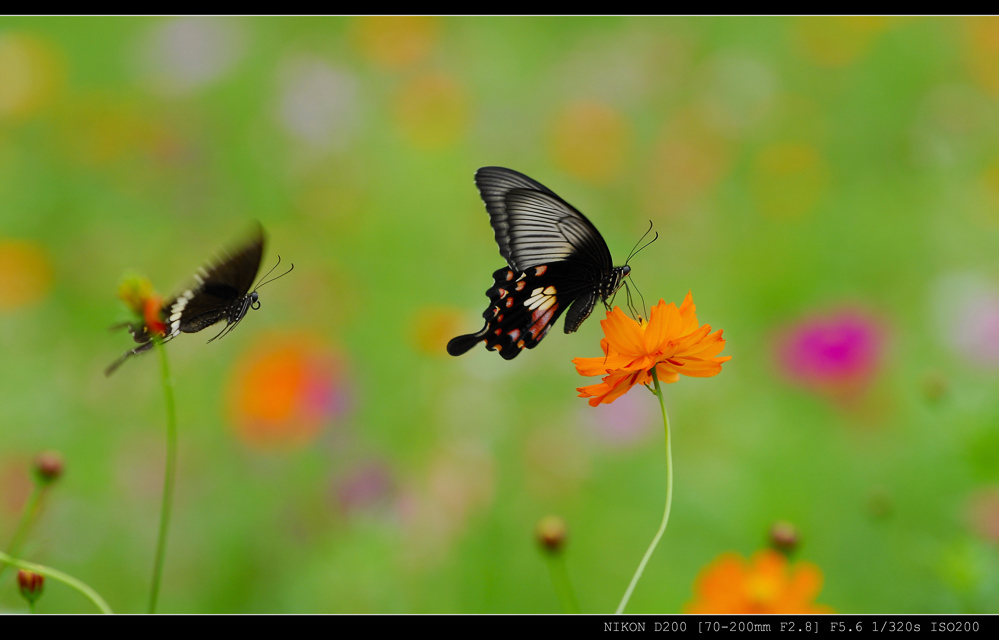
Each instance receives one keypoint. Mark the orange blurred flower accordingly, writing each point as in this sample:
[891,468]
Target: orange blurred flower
[671,341]
[766,585]
[286,391]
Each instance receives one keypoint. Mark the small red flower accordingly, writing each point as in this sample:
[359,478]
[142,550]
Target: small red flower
[31,584]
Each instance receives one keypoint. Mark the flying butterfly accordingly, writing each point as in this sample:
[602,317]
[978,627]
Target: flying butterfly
[557,261]
[221,291]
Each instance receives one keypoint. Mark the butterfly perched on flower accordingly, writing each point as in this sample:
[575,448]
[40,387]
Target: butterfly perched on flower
[556,261]
[221,291]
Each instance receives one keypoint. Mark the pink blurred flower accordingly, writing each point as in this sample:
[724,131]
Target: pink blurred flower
[967,316]
[365,486]
[836,353]
[623,423]
[983,513]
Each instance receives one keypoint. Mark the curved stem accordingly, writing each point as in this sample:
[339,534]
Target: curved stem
[169,476]
[61,577]
[669,500]
[27,515]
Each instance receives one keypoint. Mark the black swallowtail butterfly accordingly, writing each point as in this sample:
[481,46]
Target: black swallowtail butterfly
[555,257]
[221,292]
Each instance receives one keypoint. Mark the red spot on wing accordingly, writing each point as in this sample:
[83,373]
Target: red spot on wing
[514,334]
[509,275]
[502,292]
[521,285]
[540,271]
[509,303]
[542,321]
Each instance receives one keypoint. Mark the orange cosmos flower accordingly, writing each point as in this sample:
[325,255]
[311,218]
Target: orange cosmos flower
[766,585]
[671,342]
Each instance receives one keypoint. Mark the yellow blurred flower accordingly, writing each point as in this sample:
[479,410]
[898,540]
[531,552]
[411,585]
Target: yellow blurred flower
[689,159]
[671,341]
[789,179]
[590,141]
[25,273]
[837,41]
[432,327]
[766,584]
[432,111]
[396,42]
[983,51]
[31,74]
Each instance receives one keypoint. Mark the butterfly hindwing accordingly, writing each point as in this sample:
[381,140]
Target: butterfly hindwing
[219,289]
[522,309]
[557,261]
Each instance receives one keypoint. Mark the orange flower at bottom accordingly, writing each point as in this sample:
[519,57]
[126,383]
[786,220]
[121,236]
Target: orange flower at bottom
[671,341]
[766,585]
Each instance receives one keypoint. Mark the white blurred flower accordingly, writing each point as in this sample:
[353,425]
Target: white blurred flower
[317,104]
[737,93]
[184,54]
[966,311]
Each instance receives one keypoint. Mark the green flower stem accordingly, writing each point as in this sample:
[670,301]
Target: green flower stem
[560,579]
[169,475]
[669,500]
[61,577]
[27,515]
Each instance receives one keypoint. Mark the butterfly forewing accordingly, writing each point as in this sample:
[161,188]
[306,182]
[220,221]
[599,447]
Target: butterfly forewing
[217,289]
[556,258]
[219,292]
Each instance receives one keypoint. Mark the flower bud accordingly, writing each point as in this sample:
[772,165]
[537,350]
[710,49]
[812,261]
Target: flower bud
[31,585]
[784,537]
[551,533]
[48,467]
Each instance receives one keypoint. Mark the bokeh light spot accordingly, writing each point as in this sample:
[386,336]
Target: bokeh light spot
[835,354]
[983,51]
[689,159]
[788,179]
[837,41]
[433,327]
[317,104]
[590,141]
[25,273]
[185,54]
[284,393]
[396,42]
[432,111]
[31,75]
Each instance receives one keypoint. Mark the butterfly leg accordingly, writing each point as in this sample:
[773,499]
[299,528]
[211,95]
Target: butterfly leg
[140,335]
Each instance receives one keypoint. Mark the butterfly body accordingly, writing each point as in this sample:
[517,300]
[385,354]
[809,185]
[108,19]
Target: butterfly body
[221,291]
[557,263]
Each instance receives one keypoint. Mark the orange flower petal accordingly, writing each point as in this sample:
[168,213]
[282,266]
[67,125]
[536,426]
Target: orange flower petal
[623,333]
[671,342]
[766,584]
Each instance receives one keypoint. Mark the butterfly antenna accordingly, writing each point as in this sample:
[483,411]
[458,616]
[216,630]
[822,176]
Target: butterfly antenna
[635,249]
[262,283]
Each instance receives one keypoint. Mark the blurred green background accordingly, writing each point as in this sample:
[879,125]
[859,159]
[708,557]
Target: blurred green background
[827,188]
